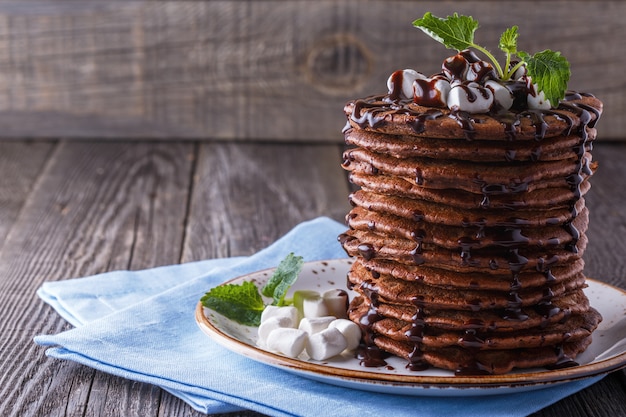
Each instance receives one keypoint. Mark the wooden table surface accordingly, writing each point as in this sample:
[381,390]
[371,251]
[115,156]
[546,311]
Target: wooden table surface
[76,208]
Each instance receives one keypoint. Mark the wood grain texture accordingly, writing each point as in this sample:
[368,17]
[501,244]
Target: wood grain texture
[275,70]
[245,196]
[605,257]
[97,206]
[21,163]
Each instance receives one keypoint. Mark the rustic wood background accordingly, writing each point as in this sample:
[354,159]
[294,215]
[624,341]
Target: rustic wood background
[259,70]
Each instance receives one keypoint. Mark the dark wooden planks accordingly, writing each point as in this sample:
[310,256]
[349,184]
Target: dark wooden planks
[96,207]
[20,165]
[278,70]
[245,196]
[605,257]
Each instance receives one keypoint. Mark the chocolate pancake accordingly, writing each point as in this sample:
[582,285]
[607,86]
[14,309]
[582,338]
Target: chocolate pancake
[394,291]
[490,199]
[555,310]
[378,114]
[549,149]
[370,245]
[549,236]
[467,362]
[422,210]
[498,280]
[576,327]
[466,176]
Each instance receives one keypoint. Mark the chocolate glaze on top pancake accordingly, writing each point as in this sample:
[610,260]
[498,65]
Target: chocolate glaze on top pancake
[379,114]
[468,232]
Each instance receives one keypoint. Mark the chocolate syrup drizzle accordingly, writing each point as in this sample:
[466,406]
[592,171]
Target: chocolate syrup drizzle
[372,112]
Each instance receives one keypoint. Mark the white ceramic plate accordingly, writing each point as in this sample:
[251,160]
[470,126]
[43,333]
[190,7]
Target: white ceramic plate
[607,352]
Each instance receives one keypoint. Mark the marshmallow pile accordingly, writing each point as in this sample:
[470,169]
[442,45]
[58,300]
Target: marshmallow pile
[468,84]
[316,324]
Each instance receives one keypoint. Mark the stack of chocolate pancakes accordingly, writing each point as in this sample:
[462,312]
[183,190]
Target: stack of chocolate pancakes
[468,232]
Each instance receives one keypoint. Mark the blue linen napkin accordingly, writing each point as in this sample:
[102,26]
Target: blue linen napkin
[140,325]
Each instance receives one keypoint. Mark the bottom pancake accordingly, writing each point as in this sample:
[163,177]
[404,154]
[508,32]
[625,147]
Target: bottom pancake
[465,362]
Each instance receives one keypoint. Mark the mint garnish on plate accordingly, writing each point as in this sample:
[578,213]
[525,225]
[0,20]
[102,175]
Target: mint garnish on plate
[243,302]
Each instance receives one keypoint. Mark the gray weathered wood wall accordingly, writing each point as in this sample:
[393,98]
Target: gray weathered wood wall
[260,70]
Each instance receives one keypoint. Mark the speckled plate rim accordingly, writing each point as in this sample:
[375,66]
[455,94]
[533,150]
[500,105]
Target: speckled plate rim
[414,384]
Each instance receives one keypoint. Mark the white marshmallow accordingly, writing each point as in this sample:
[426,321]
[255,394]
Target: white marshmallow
[455,67]
[502,95]
[300,296]
[479,70]
[270,324]
[315,324]
[538,100]
[275,311]
[325,344]
[336,301]
[520,73]
[443,87]
[289,342]
[408,76]
[314,307]
[431,92]
[350,330]
[471,97]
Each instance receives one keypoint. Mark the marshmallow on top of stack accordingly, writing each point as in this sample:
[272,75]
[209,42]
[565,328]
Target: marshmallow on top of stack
[468,229]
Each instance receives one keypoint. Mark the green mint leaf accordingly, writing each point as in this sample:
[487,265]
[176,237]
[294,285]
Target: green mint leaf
[549,71]
[455,32]
[508,44]
[241,303]
[283,278]
[508,40]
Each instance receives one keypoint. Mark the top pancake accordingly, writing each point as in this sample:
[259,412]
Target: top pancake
[377,113]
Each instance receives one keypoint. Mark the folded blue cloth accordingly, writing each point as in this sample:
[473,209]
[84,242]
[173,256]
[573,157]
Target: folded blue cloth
[140,325]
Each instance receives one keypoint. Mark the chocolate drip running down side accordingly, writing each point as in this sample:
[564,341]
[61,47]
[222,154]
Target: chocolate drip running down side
[574,118]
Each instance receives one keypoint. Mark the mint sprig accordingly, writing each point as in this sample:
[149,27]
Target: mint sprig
[283,278]
[508,44]
[455,32]
[243,302]
[549,70]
